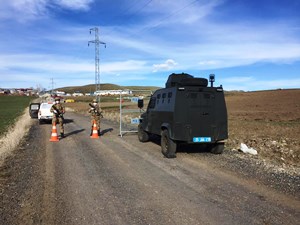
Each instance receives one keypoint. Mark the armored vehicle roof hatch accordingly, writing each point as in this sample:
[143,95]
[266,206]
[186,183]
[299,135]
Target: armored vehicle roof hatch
[184,79]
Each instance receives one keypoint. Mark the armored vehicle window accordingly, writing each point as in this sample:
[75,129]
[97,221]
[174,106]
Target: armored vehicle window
[152,103]
[164,95]
[170,95]
[158,96]
[199,99]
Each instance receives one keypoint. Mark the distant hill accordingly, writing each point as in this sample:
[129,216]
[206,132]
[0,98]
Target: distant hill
[91,88]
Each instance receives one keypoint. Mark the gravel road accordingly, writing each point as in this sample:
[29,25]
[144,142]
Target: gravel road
[114,180]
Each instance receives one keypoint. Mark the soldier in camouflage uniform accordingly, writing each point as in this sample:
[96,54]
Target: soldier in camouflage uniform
[95,111]
[58,115]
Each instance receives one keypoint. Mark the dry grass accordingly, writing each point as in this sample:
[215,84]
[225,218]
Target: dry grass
[13,137]
[268,121]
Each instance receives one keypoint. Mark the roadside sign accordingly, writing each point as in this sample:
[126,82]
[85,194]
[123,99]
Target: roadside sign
[134,99]
[135,121]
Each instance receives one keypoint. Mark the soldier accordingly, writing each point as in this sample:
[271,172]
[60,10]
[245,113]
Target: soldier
[95,111]
[58,115]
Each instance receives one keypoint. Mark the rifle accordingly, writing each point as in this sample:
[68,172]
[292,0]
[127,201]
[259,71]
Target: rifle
[95,110]
[57,113]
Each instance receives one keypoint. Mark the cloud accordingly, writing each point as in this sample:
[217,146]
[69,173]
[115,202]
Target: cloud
[181,11]
[247,83]
[238,80]
[208,63]
[64,64]
[21,10]
[44,63]
[128,65]
[74,4]
[27,10]
[169,64]
[64,69]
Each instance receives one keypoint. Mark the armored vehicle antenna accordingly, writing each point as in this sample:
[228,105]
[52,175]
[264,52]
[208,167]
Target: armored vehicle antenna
[211,79]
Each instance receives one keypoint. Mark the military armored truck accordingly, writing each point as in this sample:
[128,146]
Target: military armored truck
[188,111]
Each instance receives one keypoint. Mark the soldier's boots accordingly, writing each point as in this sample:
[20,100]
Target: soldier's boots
[99,132]
[62,135]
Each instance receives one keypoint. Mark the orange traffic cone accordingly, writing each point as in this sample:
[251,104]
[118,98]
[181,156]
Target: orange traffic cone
[95,131]
[54,136]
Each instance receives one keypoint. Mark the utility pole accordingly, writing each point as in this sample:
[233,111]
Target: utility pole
[97,43]
[52,86]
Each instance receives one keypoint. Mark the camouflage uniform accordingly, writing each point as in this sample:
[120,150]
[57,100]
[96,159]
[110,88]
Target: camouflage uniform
[58,118]
[95,115]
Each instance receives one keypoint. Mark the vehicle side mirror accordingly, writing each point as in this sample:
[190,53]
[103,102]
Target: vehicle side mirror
[141,103]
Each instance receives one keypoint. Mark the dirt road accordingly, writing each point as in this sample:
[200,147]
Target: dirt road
[114,180]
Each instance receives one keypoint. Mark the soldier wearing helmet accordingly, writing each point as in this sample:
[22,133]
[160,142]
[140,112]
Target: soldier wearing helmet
[58,115]
[96,114]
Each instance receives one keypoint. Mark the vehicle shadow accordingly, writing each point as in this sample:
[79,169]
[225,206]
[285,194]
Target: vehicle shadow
[106,131]
[182,147]
[192,148]
[74,132]
[66,121]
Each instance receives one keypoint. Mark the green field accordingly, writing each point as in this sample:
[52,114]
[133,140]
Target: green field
[10,108]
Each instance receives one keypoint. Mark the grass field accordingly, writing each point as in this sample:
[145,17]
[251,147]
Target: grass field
[11,107]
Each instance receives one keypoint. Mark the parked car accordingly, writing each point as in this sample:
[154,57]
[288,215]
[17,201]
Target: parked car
[44,112]
[34,110]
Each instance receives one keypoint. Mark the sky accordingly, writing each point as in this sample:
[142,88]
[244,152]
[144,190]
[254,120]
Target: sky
[248,44]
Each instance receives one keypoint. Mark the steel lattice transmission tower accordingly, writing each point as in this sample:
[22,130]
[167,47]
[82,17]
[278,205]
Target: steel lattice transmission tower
[97,43]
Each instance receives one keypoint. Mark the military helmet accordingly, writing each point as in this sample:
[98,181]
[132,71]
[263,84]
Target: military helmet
[94,100]
[57,99]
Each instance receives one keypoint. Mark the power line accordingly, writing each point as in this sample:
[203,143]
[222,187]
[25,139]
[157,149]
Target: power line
[167,17]
[133,14]
[140,9]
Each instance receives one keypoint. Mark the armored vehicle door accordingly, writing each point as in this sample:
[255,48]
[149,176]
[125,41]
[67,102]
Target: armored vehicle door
[150,118]
[201,115]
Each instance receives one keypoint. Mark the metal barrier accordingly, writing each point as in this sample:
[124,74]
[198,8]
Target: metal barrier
[134,121]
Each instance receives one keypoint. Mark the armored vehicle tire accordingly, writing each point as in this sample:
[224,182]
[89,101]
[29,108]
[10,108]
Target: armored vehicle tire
[142,135]
[168,146]
[217,148]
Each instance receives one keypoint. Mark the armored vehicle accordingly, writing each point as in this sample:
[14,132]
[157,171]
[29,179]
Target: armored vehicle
[188,111]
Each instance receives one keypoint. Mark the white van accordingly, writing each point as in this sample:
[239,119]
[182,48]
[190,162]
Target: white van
[44,114]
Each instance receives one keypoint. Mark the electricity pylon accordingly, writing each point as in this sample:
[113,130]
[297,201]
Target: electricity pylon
[97,43]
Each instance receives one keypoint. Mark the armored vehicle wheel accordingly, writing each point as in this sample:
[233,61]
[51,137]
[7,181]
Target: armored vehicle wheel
[168,146]
[142,135]
[217,148]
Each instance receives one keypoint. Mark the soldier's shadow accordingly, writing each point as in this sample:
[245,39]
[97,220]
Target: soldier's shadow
[106,131]
[66,121]
[74,132]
